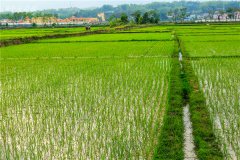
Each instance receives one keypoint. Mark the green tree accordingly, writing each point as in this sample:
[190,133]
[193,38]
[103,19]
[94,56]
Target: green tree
[176,14]
[230,12]
[183,13]
[137,17]
[154,16]
[16,16]
[124,18]
[221,13]
[34,25]
[54,25]
[211,11]
[113,21]
[145,18]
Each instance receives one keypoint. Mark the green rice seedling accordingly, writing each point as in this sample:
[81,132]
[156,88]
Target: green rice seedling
[84,100]
[87,50]
[211,49]
[87,109]
[219,80]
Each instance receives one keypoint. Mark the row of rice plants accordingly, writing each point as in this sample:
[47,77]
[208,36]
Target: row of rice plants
[87,109]
[211,38]
[211,49]
[204,29]
[219,80]
[116,37]
[88,50]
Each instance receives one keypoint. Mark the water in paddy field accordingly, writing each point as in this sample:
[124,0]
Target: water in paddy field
[180,56]
[189,153]
[180,60]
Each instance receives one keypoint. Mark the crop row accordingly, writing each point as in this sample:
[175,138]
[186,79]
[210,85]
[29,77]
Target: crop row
[116,37]
[86,49]
[219,80]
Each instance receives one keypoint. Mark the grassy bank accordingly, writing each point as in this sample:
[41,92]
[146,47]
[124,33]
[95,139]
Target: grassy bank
[171,138]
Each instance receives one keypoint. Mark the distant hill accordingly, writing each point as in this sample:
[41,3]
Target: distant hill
[163,8]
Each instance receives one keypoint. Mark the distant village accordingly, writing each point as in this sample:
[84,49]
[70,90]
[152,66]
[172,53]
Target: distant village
[217,16]
[213,16]
[54,20]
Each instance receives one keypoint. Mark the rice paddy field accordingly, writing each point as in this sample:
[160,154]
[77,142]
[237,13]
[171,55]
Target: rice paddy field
[107,96]
[9,34]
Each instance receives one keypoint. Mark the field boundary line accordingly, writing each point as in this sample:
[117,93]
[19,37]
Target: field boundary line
[211,57]
[113,57]
[133,40]
[104,57]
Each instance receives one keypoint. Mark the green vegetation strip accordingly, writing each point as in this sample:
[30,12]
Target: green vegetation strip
[34,38]
[171,138]
[205,141]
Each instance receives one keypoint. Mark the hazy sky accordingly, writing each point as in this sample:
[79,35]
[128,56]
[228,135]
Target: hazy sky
[32,5]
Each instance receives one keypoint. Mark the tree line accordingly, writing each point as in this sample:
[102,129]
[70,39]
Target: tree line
[16,16]
[137,17]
